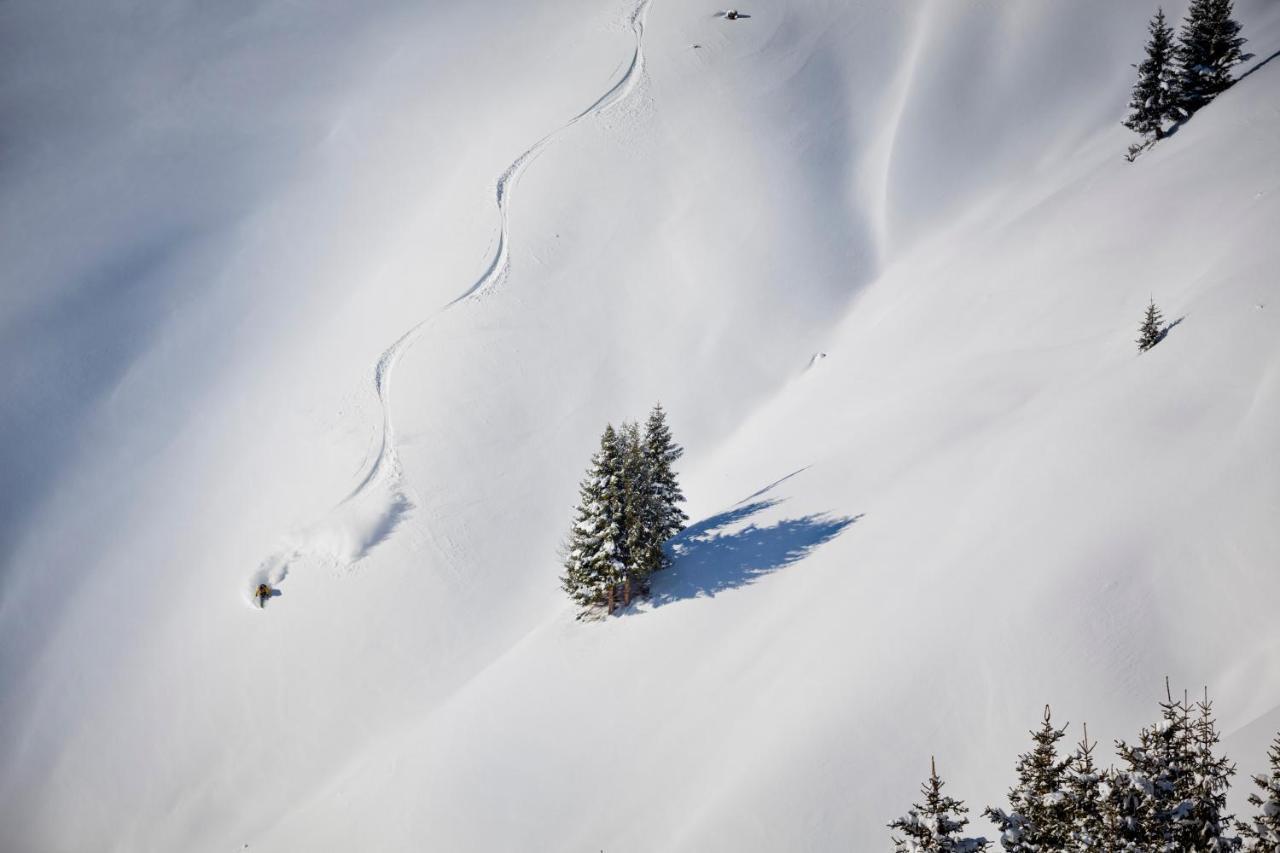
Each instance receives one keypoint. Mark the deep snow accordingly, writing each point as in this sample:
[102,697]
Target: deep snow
[230,228]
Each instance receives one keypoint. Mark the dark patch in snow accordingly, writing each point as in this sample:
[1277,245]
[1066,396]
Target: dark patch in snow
[1257,67]
[707,562]
[397,510]
[772,486]
[1164,333]
[271,593]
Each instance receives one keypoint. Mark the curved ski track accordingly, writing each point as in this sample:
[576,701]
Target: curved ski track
[385,468]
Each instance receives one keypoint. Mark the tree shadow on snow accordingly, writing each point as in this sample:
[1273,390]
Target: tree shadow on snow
[773,485]
[1257,67]
[1169,327]
[1180,123]
[707,562]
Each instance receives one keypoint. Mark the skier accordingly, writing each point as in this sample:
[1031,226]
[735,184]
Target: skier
[263,592]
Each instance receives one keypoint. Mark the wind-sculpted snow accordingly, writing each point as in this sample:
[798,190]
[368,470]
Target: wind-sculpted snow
[367,515]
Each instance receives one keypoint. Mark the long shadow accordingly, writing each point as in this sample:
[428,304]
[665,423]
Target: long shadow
[773,485]
[1257,67]
[1169,327]
[707,562]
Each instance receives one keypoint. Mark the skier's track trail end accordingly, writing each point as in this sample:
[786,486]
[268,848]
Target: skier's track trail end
[385,468]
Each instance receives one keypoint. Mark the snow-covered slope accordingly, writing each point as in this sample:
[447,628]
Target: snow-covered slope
[341,295]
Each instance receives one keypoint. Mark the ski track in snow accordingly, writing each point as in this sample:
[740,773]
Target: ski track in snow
[348,531]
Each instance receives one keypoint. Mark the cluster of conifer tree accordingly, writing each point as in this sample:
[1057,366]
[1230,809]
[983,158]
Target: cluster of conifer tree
[628,507]
[1179,77]
[1167,795]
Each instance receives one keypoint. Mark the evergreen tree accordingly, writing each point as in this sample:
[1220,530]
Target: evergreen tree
[581,579]
[1151,331]
[1208,47]
[666,516]
[613,499]
[629,505]
[1203,823]
[1087,830]
[637,524]
[1130,800]
[1147,797]
[595,556]
[1039,806]
[1155,98]
[935,825]
[1174,777]
[1262,834]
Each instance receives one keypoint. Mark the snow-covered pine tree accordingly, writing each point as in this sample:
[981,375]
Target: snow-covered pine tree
[934,826]
[1039,806]
[1151,330]
[1262,833]
[594,558]
[1131,797]
[581,579]
[1086,821]
[1208,47]
[613,499]
[1155,98]
[1175,777]
[1148,796]
[660,453]
[1203,823]
[637,523]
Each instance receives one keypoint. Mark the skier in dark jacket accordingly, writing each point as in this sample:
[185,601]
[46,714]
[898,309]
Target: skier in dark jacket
[263,592]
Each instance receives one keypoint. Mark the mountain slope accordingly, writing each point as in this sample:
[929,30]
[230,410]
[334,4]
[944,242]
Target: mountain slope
[980,498]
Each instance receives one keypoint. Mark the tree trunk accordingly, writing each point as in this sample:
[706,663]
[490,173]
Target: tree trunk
[609,599]
[626,592]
